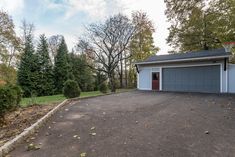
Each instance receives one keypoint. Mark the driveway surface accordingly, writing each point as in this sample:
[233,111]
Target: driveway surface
[139,124]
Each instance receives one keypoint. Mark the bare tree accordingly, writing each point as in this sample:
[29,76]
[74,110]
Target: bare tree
[27,30]
[53,44]
[106,42]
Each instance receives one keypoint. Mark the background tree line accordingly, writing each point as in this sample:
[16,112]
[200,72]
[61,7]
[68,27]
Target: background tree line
[107,51]
[105,54]
[200,24]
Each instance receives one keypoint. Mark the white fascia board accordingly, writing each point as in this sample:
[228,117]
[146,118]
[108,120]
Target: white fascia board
[188,59]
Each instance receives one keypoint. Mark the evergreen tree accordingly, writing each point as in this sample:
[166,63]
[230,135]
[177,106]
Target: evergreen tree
[46,82]
[62,68]
[81,72]
[28,72]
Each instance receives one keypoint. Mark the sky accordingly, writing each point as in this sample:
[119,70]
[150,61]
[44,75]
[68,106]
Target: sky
[68,17]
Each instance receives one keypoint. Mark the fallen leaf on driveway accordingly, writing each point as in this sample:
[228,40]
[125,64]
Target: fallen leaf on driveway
[83,155]
[93,134]
[76,136]
[32,146]
[37,147]
[47,134]
[32,138]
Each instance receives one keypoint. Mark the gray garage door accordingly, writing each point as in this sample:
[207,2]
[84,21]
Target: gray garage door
[192,79]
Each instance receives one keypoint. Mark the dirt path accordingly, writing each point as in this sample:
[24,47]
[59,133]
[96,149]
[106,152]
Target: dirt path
[139,124]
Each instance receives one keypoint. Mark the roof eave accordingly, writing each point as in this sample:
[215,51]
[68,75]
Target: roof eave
[188,59]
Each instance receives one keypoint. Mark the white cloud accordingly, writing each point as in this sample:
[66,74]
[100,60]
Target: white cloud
[93,8]
[100,9]
[12,6]
[49,4]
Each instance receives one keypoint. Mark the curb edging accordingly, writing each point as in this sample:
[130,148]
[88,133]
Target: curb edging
[10,145]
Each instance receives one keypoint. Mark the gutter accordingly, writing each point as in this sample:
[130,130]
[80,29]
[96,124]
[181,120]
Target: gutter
[179,60]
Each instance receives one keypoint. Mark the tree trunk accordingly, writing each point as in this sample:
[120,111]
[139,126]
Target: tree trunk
[130,75]
[126,79]
[112,82]
[121,73]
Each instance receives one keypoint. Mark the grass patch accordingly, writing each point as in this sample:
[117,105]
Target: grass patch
[59,98]
[89,94]
[42,100]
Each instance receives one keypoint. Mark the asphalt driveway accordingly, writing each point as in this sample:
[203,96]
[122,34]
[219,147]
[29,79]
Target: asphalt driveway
[139,124]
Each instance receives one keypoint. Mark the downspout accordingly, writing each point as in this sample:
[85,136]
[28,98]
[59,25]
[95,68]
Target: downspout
[226,71]
[225,64]
[137,69]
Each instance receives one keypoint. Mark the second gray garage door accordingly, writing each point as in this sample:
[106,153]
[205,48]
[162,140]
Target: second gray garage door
[192,79]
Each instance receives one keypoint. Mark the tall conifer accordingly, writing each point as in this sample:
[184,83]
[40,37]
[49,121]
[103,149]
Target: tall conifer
[62,68]
[46,82]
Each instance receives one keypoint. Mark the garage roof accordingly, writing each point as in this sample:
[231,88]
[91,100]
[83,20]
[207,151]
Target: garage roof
[194,55]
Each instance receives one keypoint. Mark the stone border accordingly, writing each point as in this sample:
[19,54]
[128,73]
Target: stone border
[10,145]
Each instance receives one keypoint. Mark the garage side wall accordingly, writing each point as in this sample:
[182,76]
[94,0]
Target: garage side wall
[231,78]
[224,79]
[144,79]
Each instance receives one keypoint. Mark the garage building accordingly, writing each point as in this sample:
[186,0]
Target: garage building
[206,71]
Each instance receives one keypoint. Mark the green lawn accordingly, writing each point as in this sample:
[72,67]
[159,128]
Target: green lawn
[58,98]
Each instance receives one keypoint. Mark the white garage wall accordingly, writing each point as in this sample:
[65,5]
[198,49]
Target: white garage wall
[144,76]
[144,79]
[231,78]
[224,78]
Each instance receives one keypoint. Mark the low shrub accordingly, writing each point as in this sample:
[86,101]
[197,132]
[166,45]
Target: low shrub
[71,89]
[18,93]
[103,87]
[10,96]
